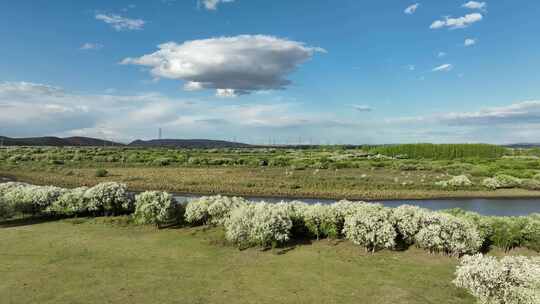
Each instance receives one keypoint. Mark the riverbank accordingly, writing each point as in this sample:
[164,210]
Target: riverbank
[353,184]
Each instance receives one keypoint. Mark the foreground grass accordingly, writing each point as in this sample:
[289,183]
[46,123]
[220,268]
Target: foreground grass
[90,261]
[376,184]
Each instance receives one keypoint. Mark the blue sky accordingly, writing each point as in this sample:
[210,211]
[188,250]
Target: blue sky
[281,71]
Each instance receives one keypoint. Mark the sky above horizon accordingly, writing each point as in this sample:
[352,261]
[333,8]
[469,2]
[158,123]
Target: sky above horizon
[321,72]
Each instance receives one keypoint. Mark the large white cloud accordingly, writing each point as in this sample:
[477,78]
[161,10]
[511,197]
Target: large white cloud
[231,65]
[120,23]
[456,23]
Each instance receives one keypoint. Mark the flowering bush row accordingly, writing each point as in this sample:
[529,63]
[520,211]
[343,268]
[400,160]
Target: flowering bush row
[502,181]
[212,210]
[155,207]
[371,226]
[258,224]
[511,280]
[456,181]
[104,198]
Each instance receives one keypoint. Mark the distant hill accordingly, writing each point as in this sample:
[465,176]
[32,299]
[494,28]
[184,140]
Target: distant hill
[188,143]
[56,141]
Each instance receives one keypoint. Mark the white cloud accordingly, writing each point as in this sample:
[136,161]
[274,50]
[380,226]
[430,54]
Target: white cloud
[91,46]
[120,23]
[213,4]
[441,54]
[443,68]
[226,93]
[411,67]
[456,23]
[193,86]
[475,5]
[469,42]
[362,108]
[411,9]
[516,113]
[25,89]
[233,65]
[29,109]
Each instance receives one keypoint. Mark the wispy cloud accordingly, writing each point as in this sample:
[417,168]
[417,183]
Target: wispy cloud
[213,4]
[120,23]
[475,5]
[411,9]
[443,68]
[362,108]
[516,113]
[441,54]
[456,23]
[91,46]
[469,42]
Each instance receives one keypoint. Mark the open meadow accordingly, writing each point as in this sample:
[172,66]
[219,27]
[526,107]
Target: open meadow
[95,261]
[401,172]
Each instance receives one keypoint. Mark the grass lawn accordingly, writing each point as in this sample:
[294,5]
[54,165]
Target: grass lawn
[94,261]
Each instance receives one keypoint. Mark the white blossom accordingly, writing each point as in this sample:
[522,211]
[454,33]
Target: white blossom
[511,280]
[154,207]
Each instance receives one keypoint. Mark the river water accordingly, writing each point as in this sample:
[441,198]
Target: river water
[487,206]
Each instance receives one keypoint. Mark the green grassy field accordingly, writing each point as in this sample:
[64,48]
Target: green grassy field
[323,172]
[277,182]
[94,261]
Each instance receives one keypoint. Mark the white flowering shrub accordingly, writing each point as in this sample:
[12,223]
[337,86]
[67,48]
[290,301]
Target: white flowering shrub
[30,199]
[258,224]
[271,225]
[16,196]
[239,226]
[212,210]
[70,202]
[408,221]
[370,226]
[342,209]
[456,181]
[484,224]
[220,208]
[197,211]
[502,181]
[511,280]
[44,196]
[321,220]
[109,197]
[6,211]
[295,211]
[154,207]
[448,234]
[491,183]
[6,187]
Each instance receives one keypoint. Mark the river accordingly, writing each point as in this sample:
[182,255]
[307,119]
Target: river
[485,206]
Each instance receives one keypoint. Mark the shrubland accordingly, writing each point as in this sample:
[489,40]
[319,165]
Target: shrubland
[510,280]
